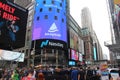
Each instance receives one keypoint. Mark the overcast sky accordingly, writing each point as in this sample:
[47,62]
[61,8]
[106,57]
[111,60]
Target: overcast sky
[100,18]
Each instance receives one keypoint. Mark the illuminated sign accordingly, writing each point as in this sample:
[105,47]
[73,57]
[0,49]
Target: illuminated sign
[50,20]
[51,43]
[13,20]
[74,55]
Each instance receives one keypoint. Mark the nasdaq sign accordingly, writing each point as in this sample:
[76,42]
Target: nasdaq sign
[51,43]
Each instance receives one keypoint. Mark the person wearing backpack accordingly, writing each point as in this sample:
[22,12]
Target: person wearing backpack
[89,74]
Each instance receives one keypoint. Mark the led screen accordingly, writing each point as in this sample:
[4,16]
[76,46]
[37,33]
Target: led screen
[74,55]
[75,41]
[13,20]
[95,53]
[50,20]
[71,63]
[80,57]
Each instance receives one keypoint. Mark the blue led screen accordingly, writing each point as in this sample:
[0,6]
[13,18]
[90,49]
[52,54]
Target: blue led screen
[50,20]
[95,54]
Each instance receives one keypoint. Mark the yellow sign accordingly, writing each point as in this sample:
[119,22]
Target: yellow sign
[116,1]
[103,66]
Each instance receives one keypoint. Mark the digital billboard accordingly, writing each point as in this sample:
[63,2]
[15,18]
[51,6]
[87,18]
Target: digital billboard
[50,43]
[50,20]
[74,55]
[71,63]
[13,20]
[75,41]
[80,57]
[116,14]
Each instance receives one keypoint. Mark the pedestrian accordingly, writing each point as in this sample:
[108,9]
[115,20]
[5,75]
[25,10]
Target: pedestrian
[41,76]
[98,74]
[89,74]
[74,74]
[81,74]
[29,76]
[15,75]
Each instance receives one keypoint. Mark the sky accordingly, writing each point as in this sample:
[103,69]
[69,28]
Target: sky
[100,18]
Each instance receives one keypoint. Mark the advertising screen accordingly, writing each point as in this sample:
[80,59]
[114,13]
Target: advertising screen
[116,15]
[75,41]
[50,20]
[71,63]
[80,57]
[74,55]
[13,20]
[50,43]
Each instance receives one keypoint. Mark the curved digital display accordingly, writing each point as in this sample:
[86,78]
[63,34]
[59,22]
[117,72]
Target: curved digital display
[50,20]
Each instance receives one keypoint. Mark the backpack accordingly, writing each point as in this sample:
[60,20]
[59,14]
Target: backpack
[89,73]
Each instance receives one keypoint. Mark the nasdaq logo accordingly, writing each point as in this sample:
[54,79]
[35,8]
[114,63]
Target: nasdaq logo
[44,43]
[51,43]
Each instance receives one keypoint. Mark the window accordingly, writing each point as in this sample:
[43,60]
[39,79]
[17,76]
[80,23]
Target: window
[53,2]
[41,9]
[46,16]
[50,9]
[38,18]
[62,20]
[44,2]
[55,17]
[60,4]
[58,10]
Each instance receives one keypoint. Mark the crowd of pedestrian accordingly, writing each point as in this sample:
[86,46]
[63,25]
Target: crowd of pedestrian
[49,73]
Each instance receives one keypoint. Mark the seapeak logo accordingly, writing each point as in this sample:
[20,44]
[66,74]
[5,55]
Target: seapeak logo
[53,28]
[44,43]
[53,31]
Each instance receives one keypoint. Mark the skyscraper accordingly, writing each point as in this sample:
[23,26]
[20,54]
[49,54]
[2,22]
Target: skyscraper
[93,49]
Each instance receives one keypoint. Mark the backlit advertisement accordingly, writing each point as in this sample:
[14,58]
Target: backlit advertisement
[74,55]
[80,57]
[71,63]
[13,20]
[75,41]
[50,43]
[50,20]
[116,14]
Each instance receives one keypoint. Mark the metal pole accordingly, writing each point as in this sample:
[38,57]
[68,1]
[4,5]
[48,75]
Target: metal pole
[41,56]
[34,52]
[45,57]
[56,58]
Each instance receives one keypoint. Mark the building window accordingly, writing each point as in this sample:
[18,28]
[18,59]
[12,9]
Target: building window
[46,16]
[50,9]
[60,4]
[53,2]
[58,10]
[38,18]
[44,2]
[62,20]
[41,9]
[55,17]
